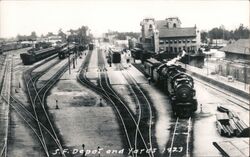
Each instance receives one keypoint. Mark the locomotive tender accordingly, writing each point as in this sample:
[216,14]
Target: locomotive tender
[66,51]
[177,84]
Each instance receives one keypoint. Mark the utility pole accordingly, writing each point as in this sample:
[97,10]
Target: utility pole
[207,63]
[69,58]
[245,70]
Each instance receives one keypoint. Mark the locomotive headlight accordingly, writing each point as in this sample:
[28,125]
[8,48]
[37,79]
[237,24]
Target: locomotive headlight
[184,92]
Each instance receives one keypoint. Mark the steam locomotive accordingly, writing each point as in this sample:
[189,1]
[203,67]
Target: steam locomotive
[65,51]
[176,83]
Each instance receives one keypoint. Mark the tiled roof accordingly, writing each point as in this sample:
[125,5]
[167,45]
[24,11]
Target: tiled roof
[241,46]
[177,32]
[161,24]
[174,32]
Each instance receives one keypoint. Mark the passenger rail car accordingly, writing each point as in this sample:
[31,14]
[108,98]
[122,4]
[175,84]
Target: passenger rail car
[29,58]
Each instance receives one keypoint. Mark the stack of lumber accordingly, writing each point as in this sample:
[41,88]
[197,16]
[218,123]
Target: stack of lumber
[229,124]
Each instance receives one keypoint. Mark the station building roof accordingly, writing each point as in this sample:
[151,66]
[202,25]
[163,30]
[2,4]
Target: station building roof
[165,32]
[177,32]
[241,46]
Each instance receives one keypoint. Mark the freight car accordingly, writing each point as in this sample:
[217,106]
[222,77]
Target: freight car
[178,86]
[91,46]
[10,46]
[114,55]
[32,57]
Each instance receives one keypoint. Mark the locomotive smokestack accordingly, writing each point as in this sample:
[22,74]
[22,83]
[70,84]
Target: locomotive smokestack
[174,60]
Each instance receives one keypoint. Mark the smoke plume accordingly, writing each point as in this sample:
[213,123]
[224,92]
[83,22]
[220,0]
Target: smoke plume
[174,60]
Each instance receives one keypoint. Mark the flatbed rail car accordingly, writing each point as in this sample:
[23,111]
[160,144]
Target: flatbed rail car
[32,57]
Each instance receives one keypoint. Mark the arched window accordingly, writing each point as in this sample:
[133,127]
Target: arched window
[150,26]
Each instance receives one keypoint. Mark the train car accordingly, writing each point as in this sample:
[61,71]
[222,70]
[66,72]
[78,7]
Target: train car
[10,46]
[180,88]
[150,65]
[32,57]
[116,57]
[91,46]
[66,51]
[82,47]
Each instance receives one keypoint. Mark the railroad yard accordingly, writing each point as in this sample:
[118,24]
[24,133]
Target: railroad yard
[55,106]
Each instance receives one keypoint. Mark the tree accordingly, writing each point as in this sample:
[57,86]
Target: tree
[62,34]
[204,36]
[33,36]
[49,34]
[80,35]
[241,32]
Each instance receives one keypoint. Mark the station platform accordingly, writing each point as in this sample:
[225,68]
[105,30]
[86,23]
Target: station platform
[239,88]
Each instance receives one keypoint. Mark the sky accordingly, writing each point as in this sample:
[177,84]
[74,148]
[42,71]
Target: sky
[24,16]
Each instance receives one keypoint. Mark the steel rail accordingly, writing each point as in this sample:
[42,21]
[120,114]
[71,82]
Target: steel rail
[128,110]
[6,86]
[49,84]
[120,116]
[221,91]
[172,141]
[100,57]
[35,112]
[149,108]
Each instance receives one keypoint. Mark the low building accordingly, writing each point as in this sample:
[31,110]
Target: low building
[237,61]
[218,43]
[239,50]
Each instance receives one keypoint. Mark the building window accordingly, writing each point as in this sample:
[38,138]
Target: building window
[175,41]
[179,49]
[175,49]
[188,41]
[171,49]
[161,42]
[174,25]
[170,41]
[166,41]
[166,49]
[150,26]
[179,41]
[193,41]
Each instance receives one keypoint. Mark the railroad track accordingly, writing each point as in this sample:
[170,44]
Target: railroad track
[126,115]
[5,101]
[145,117]
[179,143]
[104,89]
[39,107]
[6,96]
[233,99]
